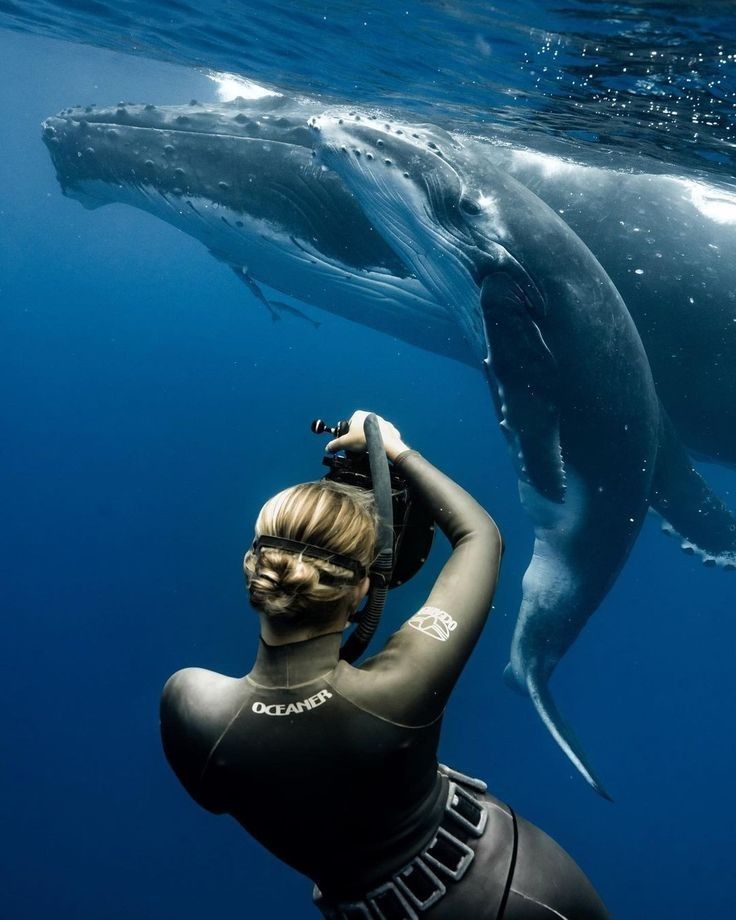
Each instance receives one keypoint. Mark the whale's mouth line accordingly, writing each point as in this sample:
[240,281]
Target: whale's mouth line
[169,130]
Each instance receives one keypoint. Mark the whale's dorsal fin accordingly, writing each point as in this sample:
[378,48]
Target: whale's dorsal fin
[524,382]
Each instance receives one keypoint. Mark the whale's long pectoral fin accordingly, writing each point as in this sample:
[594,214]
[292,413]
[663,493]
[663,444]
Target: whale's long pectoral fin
[523,375]
[683,498]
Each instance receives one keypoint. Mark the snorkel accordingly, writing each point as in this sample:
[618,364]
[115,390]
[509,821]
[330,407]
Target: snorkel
[382,568]
[404,529]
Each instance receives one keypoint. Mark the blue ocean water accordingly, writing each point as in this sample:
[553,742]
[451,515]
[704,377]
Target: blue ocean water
[151,405]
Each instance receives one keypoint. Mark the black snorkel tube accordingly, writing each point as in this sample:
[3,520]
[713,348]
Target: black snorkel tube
[382,568]
[405,526]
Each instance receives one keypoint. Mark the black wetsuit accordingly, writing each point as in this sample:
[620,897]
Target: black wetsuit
[333,768]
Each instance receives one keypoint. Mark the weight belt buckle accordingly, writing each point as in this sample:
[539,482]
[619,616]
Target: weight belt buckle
[466,809]
[451,857]
[420,885]
[390,897]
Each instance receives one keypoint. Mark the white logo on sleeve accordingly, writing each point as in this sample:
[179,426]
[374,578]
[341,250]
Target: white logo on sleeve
[433,622]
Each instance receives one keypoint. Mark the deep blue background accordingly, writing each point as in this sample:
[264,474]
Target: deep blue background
[149,406]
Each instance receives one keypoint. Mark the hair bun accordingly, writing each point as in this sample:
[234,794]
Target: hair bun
[338,517]
[279,578]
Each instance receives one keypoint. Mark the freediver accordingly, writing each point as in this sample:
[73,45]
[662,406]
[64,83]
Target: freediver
[333,767]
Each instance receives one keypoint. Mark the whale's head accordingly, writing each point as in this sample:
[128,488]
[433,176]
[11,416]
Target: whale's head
[242,178]
[405,180]
[242,169]
[222,152]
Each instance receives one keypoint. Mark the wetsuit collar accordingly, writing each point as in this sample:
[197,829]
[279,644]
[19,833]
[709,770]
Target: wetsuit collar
[297,662]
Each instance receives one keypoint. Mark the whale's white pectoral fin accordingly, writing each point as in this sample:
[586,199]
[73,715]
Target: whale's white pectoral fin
[522,372]
[683,498]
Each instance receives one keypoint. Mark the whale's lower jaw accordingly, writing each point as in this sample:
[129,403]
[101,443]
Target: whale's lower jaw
[84,193]
[397,306]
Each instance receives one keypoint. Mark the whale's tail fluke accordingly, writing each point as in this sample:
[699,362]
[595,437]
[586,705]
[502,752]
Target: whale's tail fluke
[561,731]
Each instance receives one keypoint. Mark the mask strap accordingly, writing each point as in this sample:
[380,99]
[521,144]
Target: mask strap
[313,552]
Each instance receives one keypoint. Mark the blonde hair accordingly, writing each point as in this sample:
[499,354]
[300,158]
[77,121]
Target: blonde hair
[331,515]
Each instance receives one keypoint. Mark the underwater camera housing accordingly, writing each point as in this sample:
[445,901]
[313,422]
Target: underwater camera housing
[413,525]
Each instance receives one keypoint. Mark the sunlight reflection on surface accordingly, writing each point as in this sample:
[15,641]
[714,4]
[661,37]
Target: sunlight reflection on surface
[230,86]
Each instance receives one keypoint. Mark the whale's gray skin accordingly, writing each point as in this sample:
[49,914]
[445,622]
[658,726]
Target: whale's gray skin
[242,179]
[669,246]
[569,375]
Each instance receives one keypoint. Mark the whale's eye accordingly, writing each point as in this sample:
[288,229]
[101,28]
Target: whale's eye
[469,206]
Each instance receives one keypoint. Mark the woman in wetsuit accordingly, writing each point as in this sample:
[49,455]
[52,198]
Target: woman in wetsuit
[332,767]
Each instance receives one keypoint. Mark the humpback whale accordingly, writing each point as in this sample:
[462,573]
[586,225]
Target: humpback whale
[240,179]
[417,233]
[668,243]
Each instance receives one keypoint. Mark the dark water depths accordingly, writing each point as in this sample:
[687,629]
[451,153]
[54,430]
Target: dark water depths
[150,405]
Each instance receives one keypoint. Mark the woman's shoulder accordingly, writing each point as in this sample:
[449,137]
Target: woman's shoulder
[197,681]
[196,707]
[198,701]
